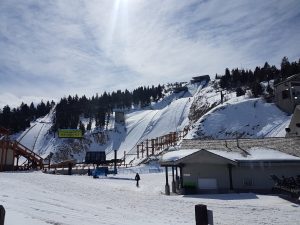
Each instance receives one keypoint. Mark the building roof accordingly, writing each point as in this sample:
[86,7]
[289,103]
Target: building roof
[255,154]
[234,151]
[194,156]
[288,145]
[291,78]
[201,77]
[179,154]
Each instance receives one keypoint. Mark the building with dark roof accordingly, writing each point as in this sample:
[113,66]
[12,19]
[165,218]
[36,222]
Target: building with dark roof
[199,79]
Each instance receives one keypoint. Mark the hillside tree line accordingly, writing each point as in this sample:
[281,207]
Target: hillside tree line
[18,119]
[240,79]
[99,108]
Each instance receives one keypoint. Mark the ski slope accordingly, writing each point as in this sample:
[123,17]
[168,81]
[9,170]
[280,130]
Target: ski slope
[168,115]
[237,117]
[146,124]
[38,137]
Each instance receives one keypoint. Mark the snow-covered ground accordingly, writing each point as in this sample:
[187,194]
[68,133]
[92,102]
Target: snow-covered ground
[35,198]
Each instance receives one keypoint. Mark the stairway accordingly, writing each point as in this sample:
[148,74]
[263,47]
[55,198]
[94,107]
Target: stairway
[21,150]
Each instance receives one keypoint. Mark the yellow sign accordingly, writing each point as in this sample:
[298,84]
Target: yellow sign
[69,133]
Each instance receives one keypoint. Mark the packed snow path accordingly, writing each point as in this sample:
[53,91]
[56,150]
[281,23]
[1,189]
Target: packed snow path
[36,199]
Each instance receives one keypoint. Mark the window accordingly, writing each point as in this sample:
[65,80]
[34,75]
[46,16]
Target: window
[248,182]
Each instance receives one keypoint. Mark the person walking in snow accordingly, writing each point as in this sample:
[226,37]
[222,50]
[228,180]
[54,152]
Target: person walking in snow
[137,178]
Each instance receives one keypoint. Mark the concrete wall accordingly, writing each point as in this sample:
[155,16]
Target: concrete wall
[287,104]
[294,129]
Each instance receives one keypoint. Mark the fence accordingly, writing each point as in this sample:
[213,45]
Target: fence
[152,147]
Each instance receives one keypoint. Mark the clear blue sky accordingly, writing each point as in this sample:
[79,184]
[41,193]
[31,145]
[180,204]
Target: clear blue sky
[50,49]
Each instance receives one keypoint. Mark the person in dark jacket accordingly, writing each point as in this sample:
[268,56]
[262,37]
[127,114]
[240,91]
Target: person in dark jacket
[137,178]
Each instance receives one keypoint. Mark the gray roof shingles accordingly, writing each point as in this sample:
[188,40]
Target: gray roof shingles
[289,145]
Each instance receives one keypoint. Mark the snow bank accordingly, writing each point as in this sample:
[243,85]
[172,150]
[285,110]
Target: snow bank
[41,199]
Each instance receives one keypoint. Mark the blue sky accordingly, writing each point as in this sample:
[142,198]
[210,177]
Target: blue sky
[50,49]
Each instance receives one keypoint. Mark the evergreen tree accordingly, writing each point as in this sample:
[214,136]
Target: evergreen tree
[239,92]
[256,89]
[89,125]
[285,68]
[81,127]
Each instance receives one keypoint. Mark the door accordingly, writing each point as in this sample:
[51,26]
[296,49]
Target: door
[207,183]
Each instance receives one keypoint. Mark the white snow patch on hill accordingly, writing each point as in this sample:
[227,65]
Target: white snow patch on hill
[38,137]
[241,117]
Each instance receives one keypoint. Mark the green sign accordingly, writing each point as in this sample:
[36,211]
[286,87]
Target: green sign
[69,133]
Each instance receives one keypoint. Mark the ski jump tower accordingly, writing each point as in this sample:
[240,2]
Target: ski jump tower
[119,116]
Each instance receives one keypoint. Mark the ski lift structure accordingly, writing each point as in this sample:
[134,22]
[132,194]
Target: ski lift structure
[99,158]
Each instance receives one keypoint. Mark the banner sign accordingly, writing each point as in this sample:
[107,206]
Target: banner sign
[69,133]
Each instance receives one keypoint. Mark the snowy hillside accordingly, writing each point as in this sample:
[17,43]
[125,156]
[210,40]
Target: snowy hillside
[199,108]
[240,118]
[168,115]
